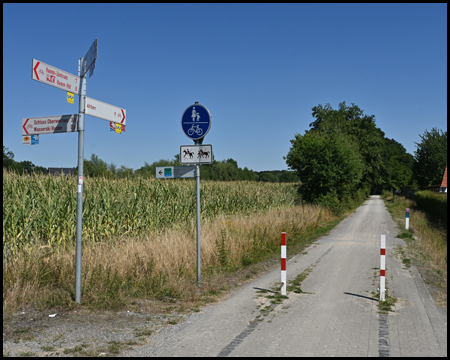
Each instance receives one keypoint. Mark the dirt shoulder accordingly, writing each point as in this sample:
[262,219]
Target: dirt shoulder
[84,332]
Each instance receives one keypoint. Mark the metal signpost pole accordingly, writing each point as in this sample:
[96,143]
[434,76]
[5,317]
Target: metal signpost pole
[195,123]
[197,174]
[80,183]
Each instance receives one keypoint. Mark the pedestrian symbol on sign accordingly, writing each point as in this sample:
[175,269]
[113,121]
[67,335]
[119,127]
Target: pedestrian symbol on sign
[195,115]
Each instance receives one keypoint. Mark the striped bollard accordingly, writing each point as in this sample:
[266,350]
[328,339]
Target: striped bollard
[407,219]
[283,263]
[383,268]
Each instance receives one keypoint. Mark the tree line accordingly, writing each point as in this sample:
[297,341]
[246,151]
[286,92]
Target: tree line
[344,157]
[225,170]
[341,159]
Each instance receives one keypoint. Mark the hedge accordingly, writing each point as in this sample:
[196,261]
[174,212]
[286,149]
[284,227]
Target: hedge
[434,204]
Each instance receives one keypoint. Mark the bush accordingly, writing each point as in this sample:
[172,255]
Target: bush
[432,203]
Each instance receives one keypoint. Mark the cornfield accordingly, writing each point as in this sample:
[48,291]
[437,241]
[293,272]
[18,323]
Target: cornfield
[41,209]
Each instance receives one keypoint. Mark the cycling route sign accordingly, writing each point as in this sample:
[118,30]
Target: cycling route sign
[196,121]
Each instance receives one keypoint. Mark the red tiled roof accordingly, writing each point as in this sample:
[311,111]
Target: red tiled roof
[444,179]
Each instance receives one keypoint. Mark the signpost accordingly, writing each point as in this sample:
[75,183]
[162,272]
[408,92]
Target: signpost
[31,127]
[53,76]
[50,124]
[171,172]
[196,154]
[105,111]
[195,123]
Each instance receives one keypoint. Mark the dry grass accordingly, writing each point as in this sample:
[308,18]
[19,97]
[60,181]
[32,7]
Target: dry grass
[428,248]
[154,267]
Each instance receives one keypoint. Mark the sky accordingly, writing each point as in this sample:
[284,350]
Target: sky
[258,68]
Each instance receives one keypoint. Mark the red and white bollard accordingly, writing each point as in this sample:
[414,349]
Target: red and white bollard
[383,268]
[283,263]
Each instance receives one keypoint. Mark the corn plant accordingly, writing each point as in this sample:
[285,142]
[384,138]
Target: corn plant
[41,209]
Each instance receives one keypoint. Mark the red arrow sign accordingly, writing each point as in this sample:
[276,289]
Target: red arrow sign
[53,76]
[25,128]
[37,64]
[123,116]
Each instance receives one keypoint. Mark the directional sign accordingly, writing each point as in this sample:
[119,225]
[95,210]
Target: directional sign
[196,121]
[196,154]
[90,58]
[105,111]
[50,124]
[170,172]
[55,77]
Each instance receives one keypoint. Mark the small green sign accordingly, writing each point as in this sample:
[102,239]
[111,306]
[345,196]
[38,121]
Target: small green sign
[168,172]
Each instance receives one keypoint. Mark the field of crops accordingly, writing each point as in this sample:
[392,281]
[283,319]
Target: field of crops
[41,209]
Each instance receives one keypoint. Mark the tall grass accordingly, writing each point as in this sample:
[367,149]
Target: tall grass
[159,266]
[139,236]
[428,247]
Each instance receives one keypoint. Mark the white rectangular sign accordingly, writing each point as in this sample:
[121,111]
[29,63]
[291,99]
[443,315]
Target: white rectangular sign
[50,75]
[196,154]
[170,172]
[105,111]
[50,124]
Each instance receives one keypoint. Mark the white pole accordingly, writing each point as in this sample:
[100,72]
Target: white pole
[407,219]
[283,263]
[383,268]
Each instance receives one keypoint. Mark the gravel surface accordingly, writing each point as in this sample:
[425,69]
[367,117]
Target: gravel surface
[82,333]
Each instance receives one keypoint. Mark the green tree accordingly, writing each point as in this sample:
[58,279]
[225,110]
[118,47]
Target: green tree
[268,177]
[362,131]
[125,172]
[329,166]
[430,157]
[8,159]
[95,167]
[399,165]
[288,176]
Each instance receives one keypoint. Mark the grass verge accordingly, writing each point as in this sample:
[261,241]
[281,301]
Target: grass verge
[426,245]
[160,268]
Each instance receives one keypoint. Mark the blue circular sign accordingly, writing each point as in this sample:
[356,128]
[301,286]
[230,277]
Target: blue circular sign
[196,121]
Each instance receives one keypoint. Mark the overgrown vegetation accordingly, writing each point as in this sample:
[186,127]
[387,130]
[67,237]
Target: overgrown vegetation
[430,158]
[241,225]
[434,204]
[41,209]
[344,157]
[426,244]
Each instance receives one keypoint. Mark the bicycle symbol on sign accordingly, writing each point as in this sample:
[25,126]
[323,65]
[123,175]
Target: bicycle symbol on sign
[195,129]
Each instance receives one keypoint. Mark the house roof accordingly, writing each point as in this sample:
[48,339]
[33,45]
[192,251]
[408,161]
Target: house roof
[444,178]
